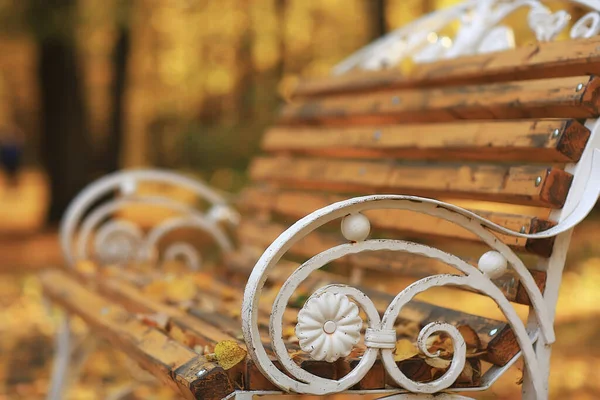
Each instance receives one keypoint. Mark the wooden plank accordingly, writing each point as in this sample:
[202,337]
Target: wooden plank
[534,61]
[261,234]
[500,183]
[172,363]
[560,140]
[571,97]
[295,205]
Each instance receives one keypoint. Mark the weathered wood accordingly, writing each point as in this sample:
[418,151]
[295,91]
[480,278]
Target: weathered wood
[572,97]
[294,205]
[261,234]
[561,140]
[174,364]
[534,61]
[500,183]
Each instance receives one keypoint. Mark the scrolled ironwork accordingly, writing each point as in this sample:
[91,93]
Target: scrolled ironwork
[379,329]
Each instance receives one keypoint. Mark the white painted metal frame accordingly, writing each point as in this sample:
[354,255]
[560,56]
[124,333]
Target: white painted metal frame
[89,231]
[481,29]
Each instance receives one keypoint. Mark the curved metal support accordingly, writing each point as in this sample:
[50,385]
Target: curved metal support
[126,182]
[480,30]
[380,334]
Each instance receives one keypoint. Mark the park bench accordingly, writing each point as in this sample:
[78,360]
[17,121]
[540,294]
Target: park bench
[511,135]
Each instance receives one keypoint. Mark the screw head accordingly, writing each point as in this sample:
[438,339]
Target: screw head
[538,181]
[201,373]
[556,133]
[395,100]
[376,135]
[579,87]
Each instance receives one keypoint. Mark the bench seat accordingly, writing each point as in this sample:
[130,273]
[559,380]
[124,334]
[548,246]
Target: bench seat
[128,303]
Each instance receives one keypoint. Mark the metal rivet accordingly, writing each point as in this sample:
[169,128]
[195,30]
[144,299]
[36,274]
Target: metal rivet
[493,331]
[579,87]
[201,373]
[523,229]
[395,100]
[376,135]
[362,171]
[538,181]
[104,311]
[556,133]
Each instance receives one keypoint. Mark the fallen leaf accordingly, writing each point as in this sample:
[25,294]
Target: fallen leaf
[437,362]
[404,350]
[158,320]
[466,376]
[228,353]
[180,290]
[471,338]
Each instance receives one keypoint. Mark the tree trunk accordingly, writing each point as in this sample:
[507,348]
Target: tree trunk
[120,58]
[65,135]
[378,22]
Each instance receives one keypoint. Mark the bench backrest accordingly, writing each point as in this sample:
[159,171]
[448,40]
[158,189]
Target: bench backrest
[98,224]
[511,135]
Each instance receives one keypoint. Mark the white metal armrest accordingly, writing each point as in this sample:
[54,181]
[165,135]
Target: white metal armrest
[380,335]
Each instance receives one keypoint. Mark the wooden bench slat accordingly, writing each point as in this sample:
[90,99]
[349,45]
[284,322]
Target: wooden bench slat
[295,205]
[510,184]
[261,234]
[571,97]
[117,287]
[171,362]
[560,140]
[535,61]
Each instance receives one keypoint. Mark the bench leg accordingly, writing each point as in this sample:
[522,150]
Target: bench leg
[62,355]
[68,359]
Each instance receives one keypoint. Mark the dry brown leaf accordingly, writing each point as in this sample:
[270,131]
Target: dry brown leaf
[156,290]
[466,376]
[437,362]
[404,350]
[471,338]
[180,290]
[229,354]
[179,335]
[157,320]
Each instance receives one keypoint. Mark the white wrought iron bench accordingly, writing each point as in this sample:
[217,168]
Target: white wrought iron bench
[96,228]
[514,132]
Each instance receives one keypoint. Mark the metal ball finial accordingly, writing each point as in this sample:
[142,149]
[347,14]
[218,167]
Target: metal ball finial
[356,227]
[493,264]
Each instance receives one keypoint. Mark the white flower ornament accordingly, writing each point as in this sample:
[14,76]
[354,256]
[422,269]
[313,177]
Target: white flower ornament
[328,326]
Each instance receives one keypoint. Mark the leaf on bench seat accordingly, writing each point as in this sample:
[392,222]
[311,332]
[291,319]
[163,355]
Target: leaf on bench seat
[404,350]
[228,354]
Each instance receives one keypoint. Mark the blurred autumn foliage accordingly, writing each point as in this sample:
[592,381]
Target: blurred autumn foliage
[96,85]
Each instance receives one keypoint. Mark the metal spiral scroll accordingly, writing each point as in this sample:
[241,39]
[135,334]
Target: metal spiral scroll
[121,241]
[380,331]
[117,242]
[480,30]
